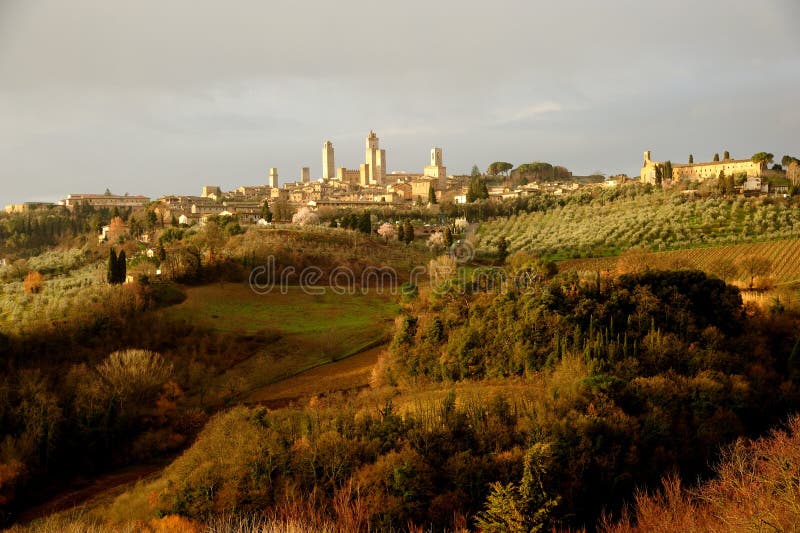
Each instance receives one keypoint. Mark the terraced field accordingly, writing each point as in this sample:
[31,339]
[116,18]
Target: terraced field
[659,221]
[784,255]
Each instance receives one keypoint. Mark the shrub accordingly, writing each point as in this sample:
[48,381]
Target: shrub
[34,283]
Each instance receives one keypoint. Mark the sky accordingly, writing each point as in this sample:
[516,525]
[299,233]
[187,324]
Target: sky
[161,97]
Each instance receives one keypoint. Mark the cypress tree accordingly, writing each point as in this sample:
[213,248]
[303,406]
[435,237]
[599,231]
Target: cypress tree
[431,194]
[408,232]
[122,267]
[400,235]
[111,271]
[448,237]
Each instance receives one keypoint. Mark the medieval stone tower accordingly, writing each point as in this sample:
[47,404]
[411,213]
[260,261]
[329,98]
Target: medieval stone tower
[436,157]
[273,177]
[328,166]
[375,161]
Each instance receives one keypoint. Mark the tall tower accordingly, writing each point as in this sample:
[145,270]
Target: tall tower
[328,167]
[305,174]
[273,177]
[436,169]
[436,157]
[375,159]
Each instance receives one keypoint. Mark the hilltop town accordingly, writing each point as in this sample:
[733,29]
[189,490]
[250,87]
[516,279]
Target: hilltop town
[369,185]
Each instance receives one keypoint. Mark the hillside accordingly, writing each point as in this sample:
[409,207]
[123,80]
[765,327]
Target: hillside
[659,221]
[782,255]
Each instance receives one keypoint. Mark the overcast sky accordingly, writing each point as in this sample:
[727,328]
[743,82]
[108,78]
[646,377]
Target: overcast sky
[162,96]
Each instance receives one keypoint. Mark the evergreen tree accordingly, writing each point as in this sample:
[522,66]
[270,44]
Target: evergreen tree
[726,155]
[721,182]
[117,267]
[691,159]
[408,232]
[666,173]
[111,269]
[448,237]
[431,194]
[716,157]
[502,249]
[365,223]
[400,234]
[122,267]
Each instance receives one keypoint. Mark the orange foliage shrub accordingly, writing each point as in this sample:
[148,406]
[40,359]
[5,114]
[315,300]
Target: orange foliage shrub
[174,524]
[755,489]
[34,283]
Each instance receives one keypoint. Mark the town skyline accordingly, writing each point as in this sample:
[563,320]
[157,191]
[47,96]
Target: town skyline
[154,99]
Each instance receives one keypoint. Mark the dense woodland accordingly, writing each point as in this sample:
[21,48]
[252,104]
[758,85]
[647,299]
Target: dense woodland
[512,398]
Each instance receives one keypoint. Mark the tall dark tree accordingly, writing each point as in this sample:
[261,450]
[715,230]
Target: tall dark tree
[117,267]
[716,157]
[365,223]
[502,249]
[726,155]
[408,232]
[122,267]
[400,233]
[111,269]
[666,173]
[431,194]
[691,159]
[448,237]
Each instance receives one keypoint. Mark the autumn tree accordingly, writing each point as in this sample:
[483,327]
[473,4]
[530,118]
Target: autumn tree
[754,265]
[724,269]
[116,229]
[33,283]
[134,375]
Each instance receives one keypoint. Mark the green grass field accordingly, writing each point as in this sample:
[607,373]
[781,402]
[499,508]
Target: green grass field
[296,331]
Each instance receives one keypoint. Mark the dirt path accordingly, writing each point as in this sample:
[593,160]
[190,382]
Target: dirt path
[345,375]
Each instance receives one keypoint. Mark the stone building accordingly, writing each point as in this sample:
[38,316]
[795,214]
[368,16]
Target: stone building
[273,177]
[105,200]
[701,171]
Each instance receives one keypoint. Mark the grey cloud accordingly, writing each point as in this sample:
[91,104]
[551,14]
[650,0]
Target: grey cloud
[156,97]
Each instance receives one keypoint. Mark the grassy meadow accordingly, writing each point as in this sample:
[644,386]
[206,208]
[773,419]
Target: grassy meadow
[294,331]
